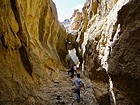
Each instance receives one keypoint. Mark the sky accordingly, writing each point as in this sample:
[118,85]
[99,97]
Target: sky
[65,8]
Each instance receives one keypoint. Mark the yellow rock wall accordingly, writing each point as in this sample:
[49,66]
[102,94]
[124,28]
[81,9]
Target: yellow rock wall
[75,20]
[31,52]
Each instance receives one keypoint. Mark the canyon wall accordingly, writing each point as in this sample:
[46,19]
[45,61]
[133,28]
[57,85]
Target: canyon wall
[108,41]
[125,56]
[31,52]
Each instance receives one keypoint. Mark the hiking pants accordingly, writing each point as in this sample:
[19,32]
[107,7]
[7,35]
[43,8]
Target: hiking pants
[78,94]
[72,74]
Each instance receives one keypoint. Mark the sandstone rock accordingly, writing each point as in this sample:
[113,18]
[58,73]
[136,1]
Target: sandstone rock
[31,52]
[108,38]
[75,20]
[124,62]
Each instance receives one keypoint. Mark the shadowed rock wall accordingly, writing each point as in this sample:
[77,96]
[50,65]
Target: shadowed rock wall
[31,51]
[125,56]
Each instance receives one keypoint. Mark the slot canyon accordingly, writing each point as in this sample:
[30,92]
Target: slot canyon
[36,51]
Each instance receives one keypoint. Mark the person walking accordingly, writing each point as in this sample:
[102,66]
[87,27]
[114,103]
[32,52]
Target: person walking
[75,68]
[78,84]
[72,71]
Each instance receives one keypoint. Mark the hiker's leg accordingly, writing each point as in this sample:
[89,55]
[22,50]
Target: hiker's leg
[72,74]
[79,93]
[77,96]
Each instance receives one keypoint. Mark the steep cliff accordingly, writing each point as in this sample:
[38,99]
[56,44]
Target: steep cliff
[125,56]
[75,20]
[108,41]
[31,52]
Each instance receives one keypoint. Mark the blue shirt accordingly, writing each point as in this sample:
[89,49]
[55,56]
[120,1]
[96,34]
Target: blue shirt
[77,83]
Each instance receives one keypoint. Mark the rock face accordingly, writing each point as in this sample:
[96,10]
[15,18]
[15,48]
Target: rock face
[31,52]
[125,56]
[108,41]
[75,20]
[66,24]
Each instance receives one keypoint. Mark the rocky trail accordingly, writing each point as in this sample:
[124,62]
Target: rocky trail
[62,92]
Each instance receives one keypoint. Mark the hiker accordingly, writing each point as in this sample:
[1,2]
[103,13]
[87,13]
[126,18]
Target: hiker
[72,71]
[78,84]
[75,68]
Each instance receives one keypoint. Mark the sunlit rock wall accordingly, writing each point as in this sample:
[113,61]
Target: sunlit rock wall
[31,51]
[75,20]
[108,40]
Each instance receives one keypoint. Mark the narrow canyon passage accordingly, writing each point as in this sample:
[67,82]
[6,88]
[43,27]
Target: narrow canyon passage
[36,50]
